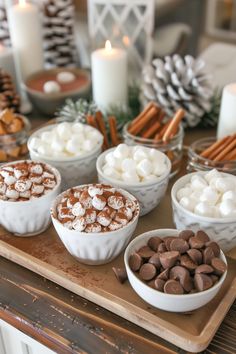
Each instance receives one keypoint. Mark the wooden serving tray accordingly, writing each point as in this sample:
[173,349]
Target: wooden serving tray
[46,255]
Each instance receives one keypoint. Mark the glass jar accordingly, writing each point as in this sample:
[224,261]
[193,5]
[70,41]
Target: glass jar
[14,146]
[173,148]
[199,163]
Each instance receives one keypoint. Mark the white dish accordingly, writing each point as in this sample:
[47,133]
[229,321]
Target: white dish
[163,301]
[28,218]
[221,230]
[95,248]
[149,194]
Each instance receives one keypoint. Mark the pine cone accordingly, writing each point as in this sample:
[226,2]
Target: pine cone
[175,82]
[4,28]
[78,110]
[8,96]
[58,26]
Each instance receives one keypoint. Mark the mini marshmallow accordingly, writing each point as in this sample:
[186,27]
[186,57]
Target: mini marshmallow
[77,127]
[224,184]
[144,168]
[46,136]
[79,223]
[93,190]
[112,173]
[229,195]
[44,149]
[78,209]
[121,151]
[87,145]
[57,145]
[160,168]
[197,182]
[187,203]
[98,202]
[64,77]
[204,209]
[51,87]
[10,179]
[12,193]
[183,192]
[209,195]
[227,208]
[128,165]
[64,130]
[73,146]
[37,169]
[156,156]
[212,174]
[140,154]
[130,177]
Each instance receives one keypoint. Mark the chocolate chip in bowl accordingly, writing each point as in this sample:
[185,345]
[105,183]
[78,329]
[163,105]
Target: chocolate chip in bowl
[27,189]
[95,221]
[176,280]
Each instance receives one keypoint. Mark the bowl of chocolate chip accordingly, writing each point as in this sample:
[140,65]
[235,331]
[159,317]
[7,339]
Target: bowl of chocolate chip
[175,271]
[27,189]
[95,221]
[48,89]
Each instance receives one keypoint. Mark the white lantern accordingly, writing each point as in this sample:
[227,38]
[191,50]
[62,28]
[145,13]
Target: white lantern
[128,25]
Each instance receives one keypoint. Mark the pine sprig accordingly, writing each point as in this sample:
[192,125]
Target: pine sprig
[210,119]
[78,110]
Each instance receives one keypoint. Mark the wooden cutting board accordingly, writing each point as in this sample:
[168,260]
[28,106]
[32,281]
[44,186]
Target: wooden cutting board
[46,255]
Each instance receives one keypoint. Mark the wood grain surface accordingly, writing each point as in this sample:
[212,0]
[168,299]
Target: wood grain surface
[46,255]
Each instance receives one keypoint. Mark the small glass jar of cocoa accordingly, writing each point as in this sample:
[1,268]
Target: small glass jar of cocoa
[196,162]
[14,133]
[173,148]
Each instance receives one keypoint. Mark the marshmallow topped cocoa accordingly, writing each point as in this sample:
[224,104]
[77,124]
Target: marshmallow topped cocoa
[25,180]
[95,208]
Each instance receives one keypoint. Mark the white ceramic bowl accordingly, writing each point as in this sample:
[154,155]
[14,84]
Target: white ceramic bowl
[95,248]
[30,217]
[149,194]
[167,302]
[221,230]
[74,170]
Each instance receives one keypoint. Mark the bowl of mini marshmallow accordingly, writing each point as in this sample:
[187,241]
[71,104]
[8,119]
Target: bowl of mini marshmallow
[144,172]
[207,200]
[72,148]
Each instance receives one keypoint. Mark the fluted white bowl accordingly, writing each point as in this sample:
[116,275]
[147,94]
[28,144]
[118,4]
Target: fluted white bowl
[74,170]
[149,194]
[95,248]
[221,230]
[163,301]
[29,218]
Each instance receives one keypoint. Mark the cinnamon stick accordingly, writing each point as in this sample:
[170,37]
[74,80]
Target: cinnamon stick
[160,134]
[152,130]
[228,148]
[113,131]
[91,121]
[206,153]
[174,124]
[136,128]
[101,126]
[231,156]
[143,113]
[221,147]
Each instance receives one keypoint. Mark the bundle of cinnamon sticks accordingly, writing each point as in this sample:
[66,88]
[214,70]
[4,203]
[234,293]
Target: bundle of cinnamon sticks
[149,124]
[222,150]
[97,121]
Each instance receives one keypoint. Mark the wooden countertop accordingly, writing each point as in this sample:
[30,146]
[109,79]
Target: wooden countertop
[67,323]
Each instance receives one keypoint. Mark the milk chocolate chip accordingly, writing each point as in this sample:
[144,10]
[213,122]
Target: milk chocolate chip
[155,260]
[195,255]
[164,275]
[187,262]
[154,242]
[214,278]
[179,245]
[215,247]
[183,275]
[204,268]
[208,255]
[168,240]
[186,234]
[201,235]
[147,271]
[145,252]
[202,282]
[159,284]
[168,259]
[162,248]
[135,262]
[173,287]
[218,265]
[120,274]
[194,242]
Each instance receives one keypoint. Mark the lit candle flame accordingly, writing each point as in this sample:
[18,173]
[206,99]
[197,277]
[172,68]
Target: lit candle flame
[126,41]
[108,46]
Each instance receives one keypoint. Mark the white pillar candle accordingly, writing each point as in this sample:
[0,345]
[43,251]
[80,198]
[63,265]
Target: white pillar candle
[109,77]
[7,62]
[26,37]
[227,119]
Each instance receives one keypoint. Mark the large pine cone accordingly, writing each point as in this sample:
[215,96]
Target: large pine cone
[176,82]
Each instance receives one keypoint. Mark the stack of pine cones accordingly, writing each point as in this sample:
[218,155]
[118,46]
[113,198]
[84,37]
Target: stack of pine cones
[58,25]
[8,95]
[4,30]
